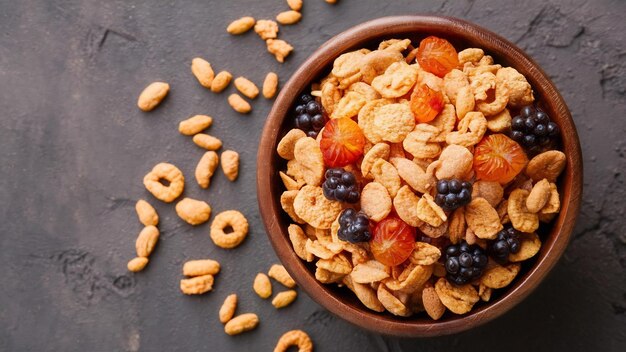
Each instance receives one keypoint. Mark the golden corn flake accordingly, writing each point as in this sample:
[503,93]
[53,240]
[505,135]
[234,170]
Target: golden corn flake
[482,219]
[393,122]
[311,206]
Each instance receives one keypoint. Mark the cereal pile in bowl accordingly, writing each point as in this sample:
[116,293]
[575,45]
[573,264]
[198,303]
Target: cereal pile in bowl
[418,177]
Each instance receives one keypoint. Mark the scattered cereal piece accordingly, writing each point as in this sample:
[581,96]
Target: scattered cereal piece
[146,241]
[295,5]
[171,174]
[285,298]
[152,95]
[287,144]
[146,213]
[548,165]
[240,26]
[432,303]
[227,311]
[539,196]
[279,48]
[232,219]
[137,264]
[482,219]
[270,85]
[458,299]
[221,81]
[331,1]
[288,17]
[246,87]
[203,71]
[262,286]
[230,164]
[206,168]
[194,212]
[239,104]
[375,201]
[201,267]
[297,338]
[266,29]
[387,175]
[241,323]
[425,254]
[195,125]
[197,285]
[206,141]
[455,162]
[280,274]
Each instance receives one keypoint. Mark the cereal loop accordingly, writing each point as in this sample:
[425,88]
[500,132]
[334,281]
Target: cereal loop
[233,219]
[296,338]
[169,173]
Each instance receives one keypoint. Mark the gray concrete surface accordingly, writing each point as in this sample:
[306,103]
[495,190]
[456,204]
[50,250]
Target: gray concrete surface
[75,149]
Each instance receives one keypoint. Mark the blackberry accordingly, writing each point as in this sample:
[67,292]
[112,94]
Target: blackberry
[309,116]
[354,227]
[533,129]
[341,185]
[453,193]
[464,263]
[507,242]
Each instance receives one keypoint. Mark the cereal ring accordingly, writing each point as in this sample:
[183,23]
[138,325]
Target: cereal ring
[170,173]
[296,338]
[233,219]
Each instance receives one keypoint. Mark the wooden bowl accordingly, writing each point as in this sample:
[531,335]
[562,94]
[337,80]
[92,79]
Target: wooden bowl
[343,302]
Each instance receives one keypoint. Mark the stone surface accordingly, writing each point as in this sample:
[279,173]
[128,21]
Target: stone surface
[75,149]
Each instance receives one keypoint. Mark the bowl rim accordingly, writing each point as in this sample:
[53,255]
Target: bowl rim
[383,323]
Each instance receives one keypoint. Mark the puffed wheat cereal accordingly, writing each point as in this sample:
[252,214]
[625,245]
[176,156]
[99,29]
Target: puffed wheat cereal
[195,125]
[266,29]
[146,213]
[270,85]
[152,95]
[194,212]
[221,81]
[146,241]
[241,323]
[137,264]
[288,17]
[203,71]
[240,26]
[201,267]
[206,168]
[280,274]
[230,164]
[227,311]
[206,141]
[279,48]
[239,104]
[283,299]
[262,286]
[246,87]
[197,285]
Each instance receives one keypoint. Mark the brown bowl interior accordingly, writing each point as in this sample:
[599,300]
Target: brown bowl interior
[462,34]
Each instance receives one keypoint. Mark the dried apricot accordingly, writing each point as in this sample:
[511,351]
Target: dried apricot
[426,103]
[498,158]
[342,142]
[437,56]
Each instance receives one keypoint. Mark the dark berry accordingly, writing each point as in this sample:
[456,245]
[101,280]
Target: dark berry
[308,115]
[506,242]
[341,185]
[527,111]
[464,263]
[353,227]
[533,129]
[453,193]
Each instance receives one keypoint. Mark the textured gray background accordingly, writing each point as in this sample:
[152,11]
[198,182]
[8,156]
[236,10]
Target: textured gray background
[75,149]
